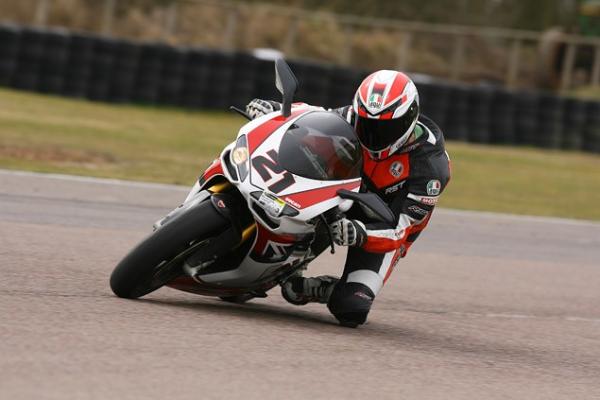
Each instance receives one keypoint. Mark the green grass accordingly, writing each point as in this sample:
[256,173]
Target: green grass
[49,134]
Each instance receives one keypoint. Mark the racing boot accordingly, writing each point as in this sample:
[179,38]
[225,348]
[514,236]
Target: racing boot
[299,291]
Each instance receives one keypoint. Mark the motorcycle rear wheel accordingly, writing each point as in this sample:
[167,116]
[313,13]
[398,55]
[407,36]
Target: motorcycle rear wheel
[154,261]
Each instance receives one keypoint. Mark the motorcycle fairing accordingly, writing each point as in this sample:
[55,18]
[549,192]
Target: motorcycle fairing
[281,242]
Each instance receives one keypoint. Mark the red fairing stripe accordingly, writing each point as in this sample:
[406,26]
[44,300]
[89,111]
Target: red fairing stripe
[264,235]
[259,134]
[214,169]
[309,198]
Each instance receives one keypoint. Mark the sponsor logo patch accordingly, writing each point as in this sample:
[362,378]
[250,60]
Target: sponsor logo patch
[375,100]
[434,187]
[292,202]
[396,169]
[417,210]
[430,201]
[394,188]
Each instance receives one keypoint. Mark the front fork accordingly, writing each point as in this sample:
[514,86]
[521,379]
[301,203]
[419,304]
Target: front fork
[210,250]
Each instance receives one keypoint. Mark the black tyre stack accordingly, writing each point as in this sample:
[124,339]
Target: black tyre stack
[342,87]
[220,79]
[10,36]
[78,67]
[125,66]
[29,59]
[99,68]
[54,62]
[550,127]
[458,113]
[592,128]
[434,102]
[243,85]
[503,117]
[265,81]
[171,79]
[480,115]
[574,124]
[101,71]
[527,122]
[147,82]
[314,82]
[195,79]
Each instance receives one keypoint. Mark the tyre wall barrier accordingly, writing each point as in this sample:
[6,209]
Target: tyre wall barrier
[10,37]
[105,69]
[125,65]
[79,65]
[53,62]
[591,133]
[29,59]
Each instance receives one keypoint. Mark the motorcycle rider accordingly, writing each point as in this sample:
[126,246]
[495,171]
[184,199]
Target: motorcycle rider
[404,163]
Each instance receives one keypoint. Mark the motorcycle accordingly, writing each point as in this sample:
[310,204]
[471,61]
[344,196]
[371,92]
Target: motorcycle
[260,212]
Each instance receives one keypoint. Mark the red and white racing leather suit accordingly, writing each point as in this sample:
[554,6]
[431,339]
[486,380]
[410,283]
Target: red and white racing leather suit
[410,182]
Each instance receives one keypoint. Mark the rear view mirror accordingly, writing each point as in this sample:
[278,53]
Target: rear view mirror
[287,84]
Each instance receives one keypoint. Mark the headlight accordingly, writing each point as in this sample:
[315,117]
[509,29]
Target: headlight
[240,156]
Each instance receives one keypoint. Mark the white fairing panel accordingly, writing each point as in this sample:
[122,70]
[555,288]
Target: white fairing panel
[303,198]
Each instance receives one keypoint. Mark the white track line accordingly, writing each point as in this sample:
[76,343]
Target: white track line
[520,218]
[164,186]
[508,315]
[100,181]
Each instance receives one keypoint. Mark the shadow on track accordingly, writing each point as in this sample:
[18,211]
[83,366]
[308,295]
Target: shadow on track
[268,313]
[433,339]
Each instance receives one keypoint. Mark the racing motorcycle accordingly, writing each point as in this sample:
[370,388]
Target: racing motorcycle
[259,212]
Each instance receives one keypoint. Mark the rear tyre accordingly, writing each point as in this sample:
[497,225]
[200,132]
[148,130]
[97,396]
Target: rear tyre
[148,266]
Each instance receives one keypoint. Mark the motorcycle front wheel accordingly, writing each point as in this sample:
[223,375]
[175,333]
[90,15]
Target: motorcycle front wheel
[157,259]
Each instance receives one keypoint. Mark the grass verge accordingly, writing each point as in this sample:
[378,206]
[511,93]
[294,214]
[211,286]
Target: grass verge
[50,134]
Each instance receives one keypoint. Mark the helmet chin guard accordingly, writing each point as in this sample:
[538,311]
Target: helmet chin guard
[387,109]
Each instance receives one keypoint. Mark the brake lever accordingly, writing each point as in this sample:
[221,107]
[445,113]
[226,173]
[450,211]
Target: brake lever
[241,112]
[329,233]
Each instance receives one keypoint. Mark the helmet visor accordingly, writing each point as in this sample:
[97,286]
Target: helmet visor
[378,134]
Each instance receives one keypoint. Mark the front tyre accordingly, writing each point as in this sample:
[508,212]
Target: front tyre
[149,265]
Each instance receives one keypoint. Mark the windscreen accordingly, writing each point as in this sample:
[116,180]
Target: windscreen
[321,145]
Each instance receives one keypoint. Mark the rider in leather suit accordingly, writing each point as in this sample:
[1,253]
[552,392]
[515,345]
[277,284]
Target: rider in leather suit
[405,163]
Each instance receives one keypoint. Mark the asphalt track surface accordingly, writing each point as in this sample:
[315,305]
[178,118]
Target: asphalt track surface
[484,307]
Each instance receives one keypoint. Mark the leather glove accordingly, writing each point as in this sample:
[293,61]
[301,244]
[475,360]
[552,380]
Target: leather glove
[258,107]
[348,232]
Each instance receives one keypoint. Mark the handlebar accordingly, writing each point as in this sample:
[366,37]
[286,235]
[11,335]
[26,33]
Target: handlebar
[328,218]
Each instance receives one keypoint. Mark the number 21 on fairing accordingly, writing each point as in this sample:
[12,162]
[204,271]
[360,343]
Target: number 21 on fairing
[265,166]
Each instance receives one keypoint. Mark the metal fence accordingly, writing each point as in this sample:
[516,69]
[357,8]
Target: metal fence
[504,56]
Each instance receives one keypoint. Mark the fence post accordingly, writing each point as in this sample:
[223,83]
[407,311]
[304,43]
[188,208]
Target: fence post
[404,51]
[346,53]
[170,20]
[230,29]
[289,45]
[513,64]
[596,68]
[108,16]
[568,64]
[41,13]
[458,57]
